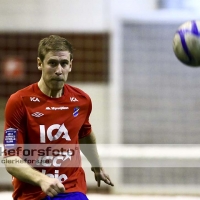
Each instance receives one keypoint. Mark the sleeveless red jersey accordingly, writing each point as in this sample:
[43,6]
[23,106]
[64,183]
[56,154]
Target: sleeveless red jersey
[46,131]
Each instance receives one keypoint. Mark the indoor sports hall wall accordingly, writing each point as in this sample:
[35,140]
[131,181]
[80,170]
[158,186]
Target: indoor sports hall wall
[142,95]
[90,72]
[160,103]
[87,25]
[157,105]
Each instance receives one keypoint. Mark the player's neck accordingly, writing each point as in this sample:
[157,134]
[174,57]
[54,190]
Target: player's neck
[51,93]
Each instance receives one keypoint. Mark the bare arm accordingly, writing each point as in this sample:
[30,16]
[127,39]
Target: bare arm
[24,172]
[89,149]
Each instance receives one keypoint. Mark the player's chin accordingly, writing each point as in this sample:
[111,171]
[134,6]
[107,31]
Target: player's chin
[58,85]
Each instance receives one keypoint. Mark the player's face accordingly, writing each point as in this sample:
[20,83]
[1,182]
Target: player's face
[55,69]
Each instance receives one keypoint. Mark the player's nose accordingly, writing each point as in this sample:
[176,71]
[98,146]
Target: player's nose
[58,70]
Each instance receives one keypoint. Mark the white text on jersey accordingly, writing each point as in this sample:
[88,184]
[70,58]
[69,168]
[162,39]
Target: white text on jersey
[34,99]
[61,177]
[61,131]
[57,108]
[73,99]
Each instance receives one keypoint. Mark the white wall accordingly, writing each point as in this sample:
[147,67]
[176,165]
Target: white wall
[65,15]
[74,16]
[50,15]
[81,16]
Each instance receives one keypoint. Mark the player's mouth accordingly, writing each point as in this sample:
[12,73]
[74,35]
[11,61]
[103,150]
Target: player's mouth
[57,79]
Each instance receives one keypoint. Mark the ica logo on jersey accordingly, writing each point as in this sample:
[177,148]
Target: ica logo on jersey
[34,99]
[73,99]
[61,132]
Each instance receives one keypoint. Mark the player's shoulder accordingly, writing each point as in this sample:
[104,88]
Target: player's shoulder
[15,101]
[18,95]
[77,91]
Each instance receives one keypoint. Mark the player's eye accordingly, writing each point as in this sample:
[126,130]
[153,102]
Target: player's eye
[64,64]
[52,63]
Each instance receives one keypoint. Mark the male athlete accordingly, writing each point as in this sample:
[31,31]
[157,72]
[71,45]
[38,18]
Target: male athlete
[46,125]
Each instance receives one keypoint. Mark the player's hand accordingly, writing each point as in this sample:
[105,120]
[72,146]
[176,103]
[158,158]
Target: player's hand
[100,175]
[51,186]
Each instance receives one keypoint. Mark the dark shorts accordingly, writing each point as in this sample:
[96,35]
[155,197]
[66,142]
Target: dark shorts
[68,196]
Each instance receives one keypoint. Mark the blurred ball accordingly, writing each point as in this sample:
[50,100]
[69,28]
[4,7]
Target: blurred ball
[186,43]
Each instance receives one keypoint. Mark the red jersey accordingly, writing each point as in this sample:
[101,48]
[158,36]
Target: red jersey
[47,124]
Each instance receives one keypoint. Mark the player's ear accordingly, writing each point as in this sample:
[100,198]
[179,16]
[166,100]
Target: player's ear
[39,63]
[70,69]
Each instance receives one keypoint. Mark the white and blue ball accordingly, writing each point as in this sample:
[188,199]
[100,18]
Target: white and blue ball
[186,43]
